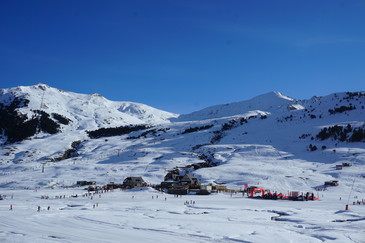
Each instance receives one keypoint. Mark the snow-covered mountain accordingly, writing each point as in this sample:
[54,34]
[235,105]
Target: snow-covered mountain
[92,111]
[53,138]
[69,111]
[148,141]
[261,105]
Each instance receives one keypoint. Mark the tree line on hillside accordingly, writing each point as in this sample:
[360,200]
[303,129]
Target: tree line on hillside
[115,131]
[152,132]
[342,133]
[195,129]
[17,127]
[341,109]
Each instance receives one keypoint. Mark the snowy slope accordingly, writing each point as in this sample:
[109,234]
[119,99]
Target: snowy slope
[85,111]
[262,104]
[277,127]
[265,141]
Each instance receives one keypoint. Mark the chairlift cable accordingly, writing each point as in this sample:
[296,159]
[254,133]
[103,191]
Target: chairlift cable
[352,187]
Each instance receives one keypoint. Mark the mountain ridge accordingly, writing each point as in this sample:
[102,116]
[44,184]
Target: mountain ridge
[265,103]
[294,138]
[66,110]
[78,111]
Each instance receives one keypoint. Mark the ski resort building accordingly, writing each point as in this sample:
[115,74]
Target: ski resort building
[132,182]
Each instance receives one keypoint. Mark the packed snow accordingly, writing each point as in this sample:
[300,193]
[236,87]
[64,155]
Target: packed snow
[150,216]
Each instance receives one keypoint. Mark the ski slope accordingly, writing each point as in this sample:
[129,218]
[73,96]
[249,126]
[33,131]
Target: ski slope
[149,216]
[261,142]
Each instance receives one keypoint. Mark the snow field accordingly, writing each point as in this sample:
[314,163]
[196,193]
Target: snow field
[145,215]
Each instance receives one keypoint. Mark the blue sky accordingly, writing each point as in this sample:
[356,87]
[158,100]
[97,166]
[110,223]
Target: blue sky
[182,56]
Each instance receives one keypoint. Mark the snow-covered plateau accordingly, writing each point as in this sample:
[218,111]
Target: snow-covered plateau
[52,138]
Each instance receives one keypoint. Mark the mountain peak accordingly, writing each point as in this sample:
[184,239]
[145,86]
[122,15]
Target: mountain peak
[273,96]
[261,104]
[40,86]
[269,100]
